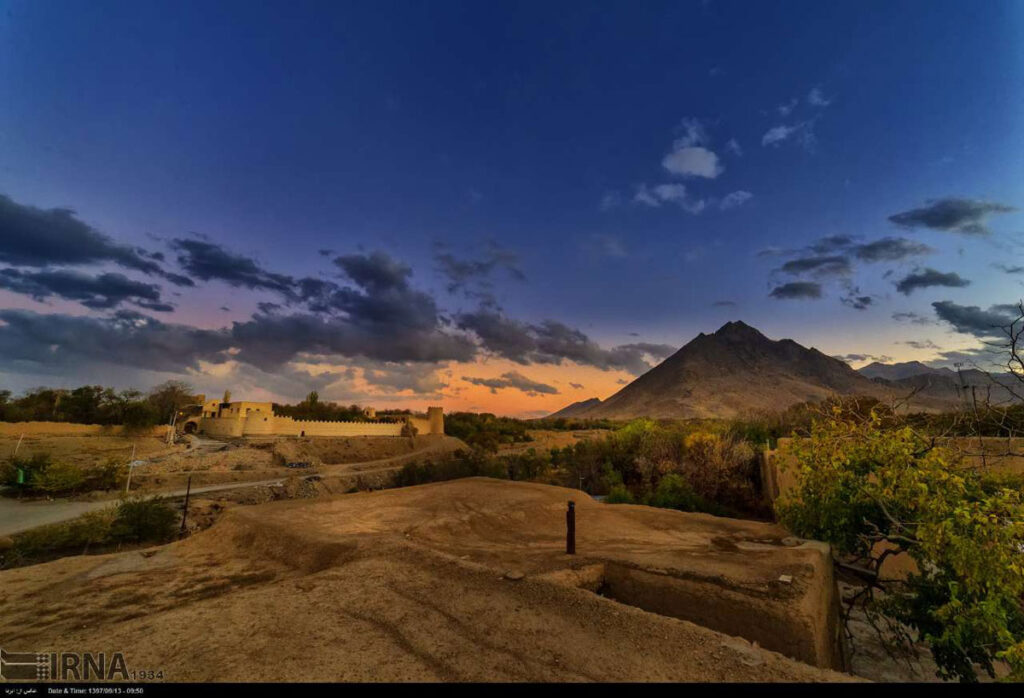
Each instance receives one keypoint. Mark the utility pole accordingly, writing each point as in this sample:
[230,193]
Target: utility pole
[184,513]
[128,482]
[570,529]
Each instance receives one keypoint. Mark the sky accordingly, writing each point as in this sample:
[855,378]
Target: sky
[498,206]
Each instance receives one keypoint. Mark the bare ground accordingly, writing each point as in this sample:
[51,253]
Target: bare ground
[459,581]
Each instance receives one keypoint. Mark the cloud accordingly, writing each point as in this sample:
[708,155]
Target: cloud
[606,245]
[786,108]
[890,250]
[913,318]
[817,99]
[668,193]
[857,358]
[777,135]
[36,237]
[376,272]
[515,381]
[693,161]
[126,339]
[211,262]
[577,386]
[922,344]
[951,214]
[1009,269]
[927,278]
[551,342]
[796,290]
[462,273]
[732,146]
[855,301]
[689,156]
[970,319]
[835,265]
[97,292]
[736,198]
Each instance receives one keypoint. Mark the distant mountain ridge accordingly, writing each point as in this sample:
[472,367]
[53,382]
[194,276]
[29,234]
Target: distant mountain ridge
[895,372]
[738,370]
[576,409]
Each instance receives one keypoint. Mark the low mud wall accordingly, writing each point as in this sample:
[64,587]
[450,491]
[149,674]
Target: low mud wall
[16,429]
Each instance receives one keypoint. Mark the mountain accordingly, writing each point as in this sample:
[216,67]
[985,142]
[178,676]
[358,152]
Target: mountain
[576,409]
[907,369]
[736,371]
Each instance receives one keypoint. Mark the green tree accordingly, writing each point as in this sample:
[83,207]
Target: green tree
[861,484]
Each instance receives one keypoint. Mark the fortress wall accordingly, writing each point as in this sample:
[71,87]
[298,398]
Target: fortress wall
[69,429]
[313,428]
[264,424]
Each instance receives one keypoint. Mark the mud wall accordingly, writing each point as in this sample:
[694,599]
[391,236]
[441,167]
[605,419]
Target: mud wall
[69,429]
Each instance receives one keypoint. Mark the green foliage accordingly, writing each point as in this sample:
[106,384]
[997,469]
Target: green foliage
[458,465]
[143,521]
[486,431]
[41,476]
[58,478]
[618,494]
[312,409]
[674,492]
[95,404]
[861,483]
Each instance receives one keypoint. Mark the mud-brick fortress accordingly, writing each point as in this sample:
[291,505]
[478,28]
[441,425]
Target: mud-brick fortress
[244,419]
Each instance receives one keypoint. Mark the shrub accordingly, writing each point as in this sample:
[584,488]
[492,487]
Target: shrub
[144,521]
[861,483]
[110,475]
[58,478]
[31,467]
[674,492]
[618,494]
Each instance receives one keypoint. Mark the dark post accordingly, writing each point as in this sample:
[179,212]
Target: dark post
[570,529]
[188,491]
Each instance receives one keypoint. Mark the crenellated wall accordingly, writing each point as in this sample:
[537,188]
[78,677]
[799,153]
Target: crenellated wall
[237,424]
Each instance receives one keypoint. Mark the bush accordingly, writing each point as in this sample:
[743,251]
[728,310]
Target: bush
[58,478]
[110,475]
[144,521]
[618,494]
[674,492]
[862,484]
[31,467]
[457,465]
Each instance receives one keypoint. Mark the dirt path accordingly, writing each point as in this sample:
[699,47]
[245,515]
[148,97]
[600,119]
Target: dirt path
[16,517]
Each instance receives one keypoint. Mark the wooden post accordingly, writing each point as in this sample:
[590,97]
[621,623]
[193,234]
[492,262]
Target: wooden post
[18,446]
[570,529]
[188,491]
[128,482]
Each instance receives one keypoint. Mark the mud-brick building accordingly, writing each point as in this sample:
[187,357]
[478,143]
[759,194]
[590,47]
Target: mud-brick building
[237,419]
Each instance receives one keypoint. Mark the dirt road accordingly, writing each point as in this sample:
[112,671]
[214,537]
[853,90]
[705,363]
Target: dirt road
[16,516]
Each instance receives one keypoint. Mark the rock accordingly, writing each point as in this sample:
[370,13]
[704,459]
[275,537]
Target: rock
[786,578]
[514,575]
[790,541]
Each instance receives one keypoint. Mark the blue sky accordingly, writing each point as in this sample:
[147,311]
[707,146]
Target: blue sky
[628,165]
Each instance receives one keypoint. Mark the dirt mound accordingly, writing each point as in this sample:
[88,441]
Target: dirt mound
[458,581]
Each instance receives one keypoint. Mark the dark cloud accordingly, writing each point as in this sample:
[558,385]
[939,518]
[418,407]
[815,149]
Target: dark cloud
[796,290]
[376,271]
[97,292]
[126,338]
[890,250]
[966,216]
[37,237]
[1009,269]
[923,344]
[970,319]
[857,302]
[461,274]
[553,342]
[577,386]
[832,243]
[515,381]
[914,318]
[857,358]
[211,262]
[834,265]
[927,278]
[271,340]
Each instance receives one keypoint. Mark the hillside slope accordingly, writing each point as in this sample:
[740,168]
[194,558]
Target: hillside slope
[738,371]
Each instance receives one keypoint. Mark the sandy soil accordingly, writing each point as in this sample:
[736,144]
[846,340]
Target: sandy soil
[458,581]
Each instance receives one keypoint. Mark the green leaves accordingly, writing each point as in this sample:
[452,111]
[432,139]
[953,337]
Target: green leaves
[861,484]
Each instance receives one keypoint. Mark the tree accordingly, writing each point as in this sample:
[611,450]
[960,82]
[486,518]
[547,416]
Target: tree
[169,397]
[873,491]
